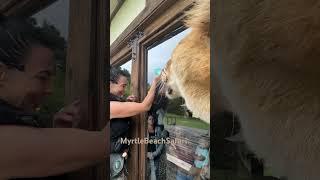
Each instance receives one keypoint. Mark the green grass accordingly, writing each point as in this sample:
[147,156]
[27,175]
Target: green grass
[188,122]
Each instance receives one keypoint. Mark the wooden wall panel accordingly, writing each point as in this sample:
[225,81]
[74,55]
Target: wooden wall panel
[77,71]
[85,70]
[133,162]
[98,80]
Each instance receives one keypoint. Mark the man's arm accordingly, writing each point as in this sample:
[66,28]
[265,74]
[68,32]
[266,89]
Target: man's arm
[36,152]
[126,109]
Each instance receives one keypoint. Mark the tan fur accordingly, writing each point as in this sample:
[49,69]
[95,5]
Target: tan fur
[267,59]
[188,71]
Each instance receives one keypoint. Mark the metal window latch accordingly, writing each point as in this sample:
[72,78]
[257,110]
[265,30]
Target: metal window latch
[133,44]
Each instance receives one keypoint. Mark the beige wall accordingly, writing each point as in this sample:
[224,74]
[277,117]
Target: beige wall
[126,14]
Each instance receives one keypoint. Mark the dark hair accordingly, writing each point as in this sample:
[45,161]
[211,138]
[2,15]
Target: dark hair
[17,35]
[115,74]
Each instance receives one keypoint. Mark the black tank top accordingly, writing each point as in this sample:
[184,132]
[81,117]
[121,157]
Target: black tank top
[119,126]
[10,115]
[152,147]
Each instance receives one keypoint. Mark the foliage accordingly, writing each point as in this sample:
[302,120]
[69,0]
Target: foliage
[58,43]
[175,107]
[128,91]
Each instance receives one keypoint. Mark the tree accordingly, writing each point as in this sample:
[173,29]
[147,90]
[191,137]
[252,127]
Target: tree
[175,107]
[57,42]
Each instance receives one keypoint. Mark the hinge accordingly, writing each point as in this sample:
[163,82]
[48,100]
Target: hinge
[133,44]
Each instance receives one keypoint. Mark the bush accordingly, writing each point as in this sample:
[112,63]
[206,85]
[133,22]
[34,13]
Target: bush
[175,107]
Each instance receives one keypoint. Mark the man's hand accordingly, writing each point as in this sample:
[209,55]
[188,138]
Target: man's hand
[68,116]
[156,80]
[132,98]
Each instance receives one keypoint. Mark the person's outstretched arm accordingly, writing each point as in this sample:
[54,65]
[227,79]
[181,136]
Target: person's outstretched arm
[127,109]
[40,152]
